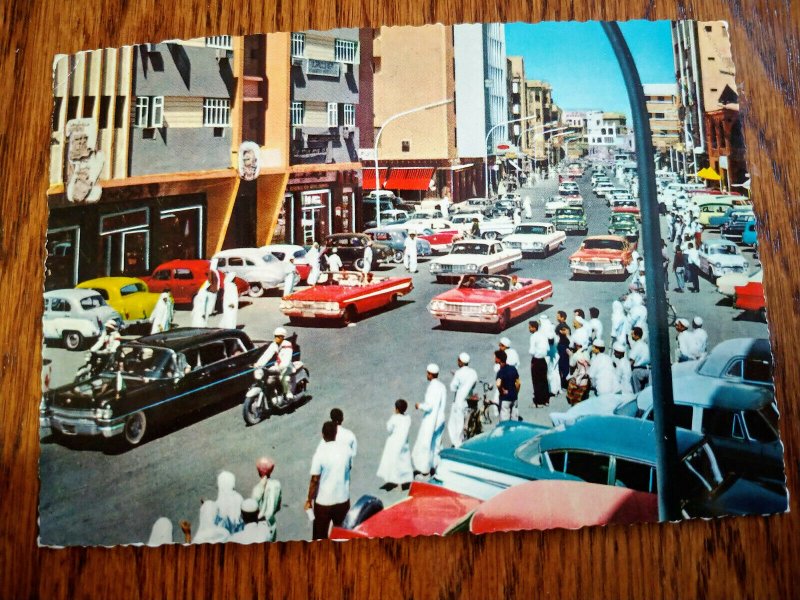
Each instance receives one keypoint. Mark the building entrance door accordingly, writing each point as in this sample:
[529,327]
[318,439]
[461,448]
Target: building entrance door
[61,266]
[126,242]
[309,225]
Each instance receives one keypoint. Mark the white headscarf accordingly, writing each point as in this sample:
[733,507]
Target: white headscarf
[161,532]
[229,503]
[207,531]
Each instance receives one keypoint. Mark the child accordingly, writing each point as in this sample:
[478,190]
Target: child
[395,466]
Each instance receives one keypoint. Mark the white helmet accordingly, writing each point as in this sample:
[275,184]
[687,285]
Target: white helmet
[111,324]
[279,331]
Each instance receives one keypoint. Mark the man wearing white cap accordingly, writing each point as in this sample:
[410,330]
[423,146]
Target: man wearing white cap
[462,384]
[622,370]
[639,356]
[367,258]
[699,346]
[580,331]
[685,341]
[425,455]
[601,370]
[334,261]
[410,252]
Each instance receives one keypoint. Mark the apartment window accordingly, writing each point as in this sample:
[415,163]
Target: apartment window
[149,111]
[708,28]
[72,107]
[333,114]
[57,113]
[142,111]
[345,51]
[349,115]
[216,112]
[157,111]
[220,41]
[297,114]
[105,105]
[88,107]
[405,146]
[119,112]
[711,58]
[659,115]
[298,45]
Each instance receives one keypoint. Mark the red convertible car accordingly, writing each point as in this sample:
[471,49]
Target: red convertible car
[184,278]
[494,299]
[750,297]
[344,295]
[602,255]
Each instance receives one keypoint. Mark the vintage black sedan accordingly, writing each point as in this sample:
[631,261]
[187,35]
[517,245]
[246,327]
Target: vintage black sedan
[350,247]
[152,380]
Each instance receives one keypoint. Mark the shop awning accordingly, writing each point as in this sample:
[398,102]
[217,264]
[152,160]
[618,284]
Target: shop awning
[708,173]
[369,178]
[409,179]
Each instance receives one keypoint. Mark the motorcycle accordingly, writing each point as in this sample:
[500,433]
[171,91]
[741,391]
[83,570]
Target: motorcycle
[265,395]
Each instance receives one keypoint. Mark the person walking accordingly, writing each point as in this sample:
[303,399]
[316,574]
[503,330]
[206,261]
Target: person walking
[679,268]
[425,455]
[161,317]
[267,496]
[693,266]
[395,465]
[410,252]
[334,261]
[313,258]
[367,258]
[665,264]
[464,380]
[290,279]
[539,348]
[508,384]
[601,370]
[230,303]
[639,355]
[329,486]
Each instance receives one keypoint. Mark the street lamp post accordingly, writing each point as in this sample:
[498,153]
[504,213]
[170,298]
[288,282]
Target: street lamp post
[378,139]
[486,147]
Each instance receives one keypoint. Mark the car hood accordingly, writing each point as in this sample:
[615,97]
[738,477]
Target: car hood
[724,259]
[569,218]
[528,237]
[739,496]
[595,254]
[462,259]
[89,394]
[470,295]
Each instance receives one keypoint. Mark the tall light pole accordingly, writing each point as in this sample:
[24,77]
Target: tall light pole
[378,139]
[486,147]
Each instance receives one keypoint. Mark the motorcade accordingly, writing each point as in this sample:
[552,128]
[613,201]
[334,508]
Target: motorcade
[129,296]
[75,317]
[395,239]
[624,224]
[344,296]
[151,381]
[183,279]
[602,255]
[350,248]
[258,267]
[605,450]
[570,219]
[536,238]
[719,257]
[474,256]
[489,299]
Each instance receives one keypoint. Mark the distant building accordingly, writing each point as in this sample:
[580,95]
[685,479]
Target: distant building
[661,100]
[539,98]
[606,132]
[577,138]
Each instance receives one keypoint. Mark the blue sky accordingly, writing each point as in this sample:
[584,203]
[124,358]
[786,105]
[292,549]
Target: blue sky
[577,60]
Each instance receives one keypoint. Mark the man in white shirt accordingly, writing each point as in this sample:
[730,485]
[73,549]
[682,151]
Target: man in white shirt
[463,382]
[601,370]
[282,350]
[693,267]
[595,324]
[343,435]
[334,261]
[685,342]
[639,355]
[699,346]
[329,487]
[539,347]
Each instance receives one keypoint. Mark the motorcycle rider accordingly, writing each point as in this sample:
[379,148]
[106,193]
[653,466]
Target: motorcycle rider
[282,350]
[109,339]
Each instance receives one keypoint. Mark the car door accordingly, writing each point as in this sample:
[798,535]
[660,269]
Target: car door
[183,285]
[727,433]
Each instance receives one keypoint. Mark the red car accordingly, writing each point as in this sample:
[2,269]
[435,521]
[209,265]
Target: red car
[630,207]
[602,255]
[440,240]
[184,278]
[750,297]
[494,299]
[345,295]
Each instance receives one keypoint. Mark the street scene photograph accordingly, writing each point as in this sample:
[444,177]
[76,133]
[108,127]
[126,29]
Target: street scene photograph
[403,281]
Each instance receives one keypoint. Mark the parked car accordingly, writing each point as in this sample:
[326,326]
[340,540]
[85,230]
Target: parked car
[605,404]
[602,255]
[750,233]
[395,239]
[605,450]
[440,233]
[474,256]
[129,296]
[470,205]
[571,220]
[706,209]
[463,221]
[750,297]
[625,225]
[166,376]
[389,217]
[350,247]
[601,189]
[183,278]
[75,316]
[718,257]
[734,227]
[536,238]
[489,299]
[284,252]
[345,295]
[494,228]
[259,268]
[553,204]
[727,284]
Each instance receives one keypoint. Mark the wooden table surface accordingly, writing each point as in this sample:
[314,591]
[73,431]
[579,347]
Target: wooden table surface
[750,557]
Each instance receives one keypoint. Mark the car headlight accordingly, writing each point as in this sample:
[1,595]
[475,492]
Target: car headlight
[488,308]
[436,305]
[286,304]
[718,264]
[537,245]
[436,267]
[472,268]
[103,413]
[574,262]
[331,306]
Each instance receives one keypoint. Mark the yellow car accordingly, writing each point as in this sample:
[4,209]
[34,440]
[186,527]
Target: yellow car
[129,296]
[715,208]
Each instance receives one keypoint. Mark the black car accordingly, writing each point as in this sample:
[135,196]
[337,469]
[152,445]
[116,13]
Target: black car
[350,247]
[151,380]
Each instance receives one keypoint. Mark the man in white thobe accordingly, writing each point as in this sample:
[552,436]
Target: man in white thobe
[230,303]
[601,370]
[203,305]
[334,261]
[253,531]
[580,332]
[367,258]
[425,455]
[312,256]
[699,345]
[595,324]
[291,278]
[464,380]
[410,252]
[526,205]
[684,351]
[161,317]
[622,370]
[444,206]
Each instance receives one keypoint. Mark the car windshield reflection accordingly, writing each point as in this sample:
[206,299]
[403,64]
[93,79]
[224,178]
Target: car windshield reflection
[467,248]
[143,362]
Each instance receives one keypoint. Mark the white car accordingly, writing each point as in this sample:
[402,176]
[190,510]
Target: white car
[492,229]
[720,257]
[474,256]
[283,252]
[602,189]
[470,205]
[258,267]
[463,221]
[553,204]
[536,238]
[75,316]
[727,283]
[568,186]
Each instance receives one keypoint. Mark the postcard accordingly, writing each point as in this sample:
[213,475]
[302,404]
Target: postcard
[392,282]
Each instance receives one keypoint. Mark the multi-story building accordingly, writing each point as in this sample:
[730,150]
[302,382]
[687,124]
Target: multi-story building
[606,132]
[577,142]
[517,101]
[539,98]
[661,100]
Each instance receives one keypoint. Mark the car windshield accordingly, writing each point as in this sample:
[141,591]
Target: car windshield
[143,362]
[623,220]
[485,282]
[574,212]
[91,302]
[602,244]
[132,288]
[269,258]
[532,229]
[557,199]
[469,248]
[626,203]
[722,249]
[531,451]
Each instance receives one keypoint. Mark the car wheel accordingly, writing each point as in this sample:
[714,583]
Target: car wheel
[256,290]
[250,409]
[398,256]
[490,235]
[359,264]
[394,300]
[503,321]
[73,340]
[135,428]
[350,315]
[440,279]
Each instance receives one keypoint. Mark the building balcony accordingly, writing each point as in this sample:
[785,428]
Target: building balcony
[324,145]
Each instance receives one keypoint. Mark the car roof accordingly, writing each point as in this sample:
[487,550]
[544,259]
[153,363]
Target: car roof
[285,247]
[626,437]
[481,242]
[71,293]
[199,263]
[240,252]
[617,238]
[722,353]
[719,242]
[186,337]
[109,282]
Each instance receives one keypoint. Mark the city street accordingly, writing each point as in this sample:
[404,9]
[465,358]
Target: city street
[89,496]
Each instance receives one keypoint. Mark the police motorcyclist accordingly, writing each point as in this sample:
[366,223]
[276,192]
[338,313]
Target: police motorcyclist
[282,350]
[109,339]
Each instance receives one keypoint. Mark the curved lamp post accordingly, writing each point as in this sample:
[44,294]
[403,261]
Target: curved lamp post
[486,147]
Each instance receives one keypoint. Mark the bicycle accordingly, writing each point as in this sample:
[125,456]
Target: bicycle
[477,416]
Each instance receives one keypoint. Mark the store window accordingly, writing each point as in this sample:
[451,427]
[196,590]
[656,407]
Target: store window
[181,233]
[125,242]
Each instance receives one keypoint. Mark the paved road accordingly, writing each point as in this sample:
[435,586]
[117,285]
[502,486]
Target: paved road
[92,497]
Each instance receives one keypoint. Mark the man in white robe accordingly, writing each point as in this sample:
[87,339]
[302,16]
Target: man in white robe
[410,252]
[267,495]
[622,369]
[334,261]
[291,278]
[161,317]
[395,466]
[601,370]
[312,256]
[367,258]
[230,303]
[203,305]
[254,531]
[464,380]
[425,455]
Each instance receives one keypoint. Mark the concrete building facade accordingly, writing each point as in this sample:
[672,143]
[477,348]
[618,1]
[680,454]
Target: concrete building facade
[539,99]
[662,102]
[606,132]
